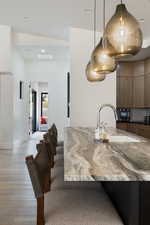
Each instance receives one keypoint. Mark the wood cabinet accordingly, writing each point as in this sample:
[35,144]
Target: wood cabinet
[138,91]
[147,90]
[147,83]
[125,85]
[125,69]
[147,66]
[132,127]
[131,81]
[138,68]
[143,131]
[138,84]
[122,126]
[125,94]
[139,129]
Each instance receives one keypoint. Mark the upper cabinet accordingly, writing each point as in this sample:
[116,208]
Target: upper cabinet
[147,83]
[124,92]
[147,66]
[138,68]
[147,91]
[138,92]
[138,84]
[125,85]
[133,84]
[125,70]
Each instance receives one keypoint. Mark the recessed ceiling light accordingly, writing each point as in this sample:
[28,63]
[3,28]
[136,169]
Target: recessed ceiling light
[45,57]
[43,51]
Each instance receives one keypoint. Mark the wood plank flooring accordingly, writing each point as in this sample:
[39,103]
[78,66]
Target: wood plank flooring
[17,202]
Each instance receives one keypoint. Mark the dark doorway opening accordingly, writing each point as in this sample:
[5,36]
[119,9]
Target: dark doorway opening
[44,111]
[34,110]
[68,95]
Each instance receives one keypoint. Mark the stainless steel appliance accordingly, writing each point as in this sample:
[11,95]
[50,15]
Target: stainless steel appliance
[123,114]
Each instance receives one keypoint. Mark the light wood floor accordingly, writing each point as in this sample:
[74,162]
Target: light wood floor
[17,202]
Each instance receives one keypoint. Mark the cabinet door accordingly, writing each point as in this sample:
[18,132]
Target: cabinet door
[147,91]
[125,69]
[133,128]
[147,66]
[138,91]
[125,92]
[138,68]
[118,91]
[144,131]
[122,126]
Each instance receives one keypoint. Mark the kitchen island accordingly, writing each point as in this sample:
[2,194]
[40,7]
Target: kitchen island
[122,165]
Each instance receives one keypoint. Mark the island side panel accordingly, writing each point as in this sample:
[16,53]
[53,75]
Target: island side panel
[126,198]
[145,203]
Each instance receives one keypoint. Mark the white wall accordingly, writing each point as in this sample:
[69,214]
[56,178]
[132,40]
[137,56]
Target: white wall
[55,73]
[21,106]
[6,47]
[6,89]
[86,97]
[6,111]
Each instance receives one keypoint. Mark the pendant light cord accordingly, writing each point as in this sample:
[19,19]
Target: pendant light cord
[95,22]
[121,2]
[104,18]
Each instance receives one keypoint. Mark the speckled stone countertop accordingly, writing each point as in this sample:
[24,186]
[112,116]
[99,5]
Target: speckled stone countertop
[86,160]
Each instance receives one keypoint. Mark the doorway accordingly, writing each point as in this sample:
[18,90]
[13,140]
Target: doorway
[44,111]
[34,110]
[38,101]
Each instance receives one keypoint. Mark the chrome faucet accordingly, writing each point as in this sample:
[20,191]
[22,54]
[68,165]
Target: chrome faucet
[99,112]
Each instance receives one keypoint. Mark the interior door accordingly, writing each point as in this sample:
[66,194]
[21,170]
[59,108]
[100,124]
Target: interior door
[34,110]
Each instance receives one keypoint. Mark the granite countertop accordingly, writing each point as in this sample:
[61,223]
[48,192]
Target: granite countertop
[137,122]
[86,160]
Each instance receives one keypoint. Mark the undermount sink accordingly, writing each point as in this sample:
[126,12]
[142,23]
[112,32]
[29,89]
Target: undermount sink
[122,139]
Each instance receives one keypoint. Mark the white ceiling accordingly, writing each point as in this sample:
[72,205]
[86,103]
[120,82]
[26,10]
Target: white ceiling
[58,53]
[53,18]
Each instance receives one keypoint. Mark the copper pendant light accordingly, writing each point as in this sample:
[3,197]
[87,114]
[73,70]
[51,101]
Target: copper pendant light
[91,74]
[101,59]
[101,56]
[124,33]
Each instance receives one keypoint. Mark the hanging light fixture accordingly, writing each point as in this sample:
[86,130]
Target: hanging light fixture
[91,74]
[101,57]
[124,33]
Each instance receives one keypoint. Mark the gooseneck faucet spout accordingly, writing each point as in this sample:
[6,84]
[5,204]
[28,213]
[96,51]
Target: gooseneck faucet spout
[103,106]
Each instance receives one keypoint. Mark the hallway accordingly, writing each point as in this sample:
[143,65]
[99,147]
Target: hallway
[17,202]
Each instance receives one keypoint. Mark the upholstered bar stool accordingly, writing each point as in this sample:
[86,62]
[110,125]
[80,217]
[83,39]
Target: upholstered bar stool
[55,131]
[81,203]
[46,146]
[40,174]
